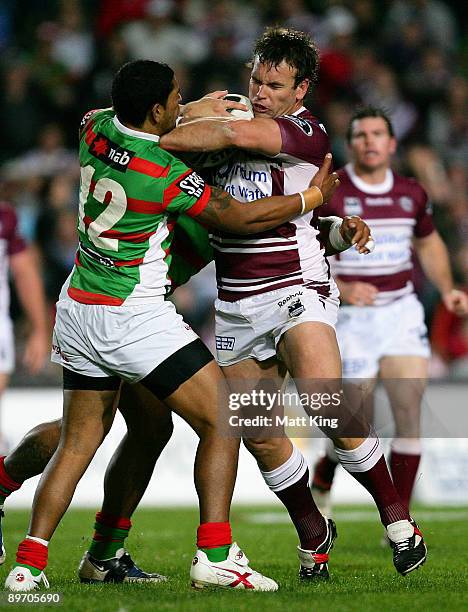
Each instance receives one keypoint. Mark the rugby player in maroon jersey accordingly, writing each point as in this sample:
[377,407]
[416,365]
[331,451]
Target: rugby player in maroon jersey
[381,330]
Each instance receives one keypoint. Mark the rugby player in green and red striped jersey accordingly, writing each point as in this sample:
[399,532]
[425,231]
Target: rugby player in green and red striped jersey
[113,322]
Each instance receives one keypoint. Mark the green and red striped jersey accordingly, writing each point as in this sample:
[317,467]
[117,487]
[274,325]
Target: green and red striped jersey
[132,194]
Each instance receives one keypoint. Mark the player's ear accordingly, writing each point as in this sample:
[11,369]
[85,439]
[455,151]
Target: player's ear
[302,89]
[156,113]
[393,145]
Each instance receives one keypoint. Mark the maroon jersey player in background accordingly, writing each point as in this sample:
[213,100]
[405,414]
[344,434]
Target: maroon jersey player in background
[381,330]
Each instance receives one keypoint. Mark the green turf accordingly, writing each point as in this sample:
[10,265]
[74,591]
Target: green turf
[363,577]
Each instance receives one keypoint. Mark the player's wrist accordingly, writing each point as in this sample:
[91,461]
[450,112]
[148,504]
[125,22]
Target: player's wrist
[338,241]
[311,198]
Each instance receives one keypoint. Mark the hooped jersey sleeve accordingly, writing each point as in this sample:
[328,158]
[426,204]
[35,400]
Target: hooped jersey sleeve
[186,191]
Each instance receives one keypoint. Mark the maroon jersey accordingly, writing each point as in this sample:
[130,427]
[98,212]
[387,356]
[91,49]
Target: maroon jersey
[287,255]
[10,244]
[396,211]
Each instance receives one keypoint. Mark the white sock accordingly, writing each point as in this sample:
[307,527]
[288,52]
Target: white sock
[406,446]
[40,540]
[287,474]
[363,458]
[330,451]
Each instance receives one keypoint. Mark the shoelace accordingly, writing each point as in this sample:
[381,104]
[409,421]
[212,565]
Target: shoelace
[403,545]
[46,582]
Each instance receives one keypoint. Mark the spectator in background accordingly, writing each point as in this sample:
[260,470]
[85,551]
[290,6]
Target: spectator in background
[48,159]
[16,257]
[56,232]
[113,53]
[20,116]
[158,37]
[436,19]
[220,70]
[72,44]
[383,91]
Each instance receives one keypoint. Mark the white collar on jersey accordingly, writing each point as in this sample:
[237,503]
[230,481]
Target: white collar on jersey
[135,133]
[379,188]
[299,111]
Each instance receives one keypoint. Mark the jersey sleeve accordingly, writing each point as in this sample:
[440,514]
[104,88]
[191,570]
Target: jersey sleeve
[89,118]
[15,242]
[186,191]
[424,222]
[303,139]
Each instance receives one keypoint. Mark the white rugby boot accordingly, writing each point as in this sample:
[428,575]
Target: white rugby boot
[233,573]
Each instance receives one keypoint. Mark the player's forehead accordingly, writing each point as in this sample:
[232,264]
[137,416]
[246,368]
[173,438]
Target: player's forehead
[368,125]
[268,73]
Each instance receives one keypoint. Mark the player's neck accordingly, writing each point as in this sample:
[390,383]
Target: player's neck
[374,176]
[146,128]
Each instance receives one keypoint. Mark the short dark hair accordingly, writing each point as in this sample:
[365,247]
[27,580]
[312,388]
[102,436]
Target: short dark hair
[294,47]
[137,87]
[369,111]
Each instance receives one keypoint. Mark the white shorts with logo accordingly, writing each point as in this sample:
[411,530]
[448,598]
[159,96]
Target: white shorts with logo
[252,327]
[366,334]
[125,341]
[7,346]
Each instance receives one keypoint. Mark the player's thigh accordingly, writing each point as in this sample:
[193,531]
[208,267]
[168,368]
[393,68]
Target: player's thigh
[145,415]
[202,399]
[310,350]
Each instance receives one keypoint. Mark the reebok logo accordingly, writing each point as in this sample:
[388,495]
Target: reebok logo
[110,153]
[289,298]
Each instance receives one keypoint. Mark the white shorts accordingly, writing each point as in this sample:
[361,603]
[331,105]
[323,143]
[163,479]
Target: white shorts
[252,327]
[125,341]
[366,334]
[7,346]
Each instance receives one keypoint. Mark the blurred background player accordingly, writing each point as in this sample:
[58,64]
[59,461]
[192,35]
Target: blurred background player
[277,302]
[16,257]
[381,329]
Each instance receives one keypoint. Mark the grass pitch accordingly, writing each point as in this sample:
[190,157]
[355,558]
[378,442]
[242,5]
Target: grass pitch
[363,577]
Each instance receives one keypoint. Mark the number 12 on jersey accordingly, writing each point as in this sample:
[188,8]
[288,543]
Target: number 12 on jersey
[112,213]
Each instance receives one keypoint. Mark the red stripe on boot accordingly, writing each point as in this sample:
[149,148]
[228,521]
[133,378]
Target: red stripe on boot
[32,553]
[5,481]
[213,535]
[115,522]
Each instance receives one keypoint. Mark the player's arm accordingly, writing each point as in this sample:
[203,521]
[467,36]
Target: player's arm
[339,234]
[434,258]
[259,134]
[228,214]
[212,105]
[29,287]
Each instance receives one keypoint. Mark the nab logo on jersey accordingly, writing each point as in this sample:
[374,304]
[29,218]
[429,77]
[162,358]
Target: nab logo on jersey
[110,153]
[192,184]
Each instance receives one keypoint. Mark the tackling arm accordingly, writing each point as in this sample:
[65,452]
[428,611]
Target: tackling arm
[225,213]
[259,134]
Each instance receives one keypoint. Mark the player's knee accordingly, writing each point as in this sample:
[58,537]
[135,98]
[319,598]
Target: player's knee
[260,447]
[44,438]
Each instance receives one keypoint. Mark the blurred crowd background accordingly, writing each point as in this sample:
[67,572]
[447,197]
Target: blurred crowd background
[58,59]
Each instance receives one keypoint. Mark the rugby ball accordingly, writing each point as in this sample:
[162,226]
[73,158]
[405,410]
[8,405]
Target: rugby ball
[239,114]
